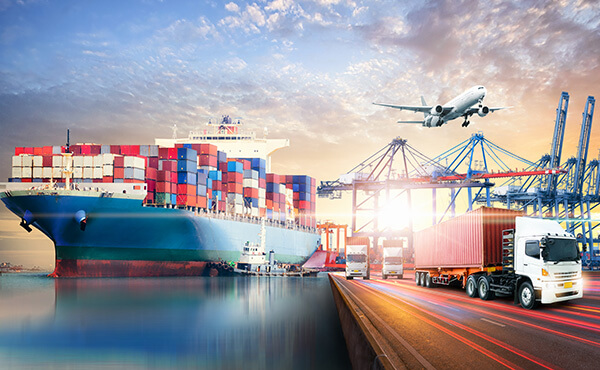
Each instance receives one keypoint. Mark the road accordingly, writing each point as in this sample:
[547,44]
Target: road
[443,328]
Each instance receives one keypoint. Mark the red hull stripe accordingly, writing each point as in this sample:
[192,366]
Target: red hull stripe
[124,268]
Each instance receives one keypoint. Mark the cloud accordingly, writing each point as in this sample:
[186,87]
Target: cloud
[232,7]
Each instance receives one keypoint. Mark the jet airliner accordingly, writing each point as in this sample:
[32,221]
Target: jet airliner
[464,105]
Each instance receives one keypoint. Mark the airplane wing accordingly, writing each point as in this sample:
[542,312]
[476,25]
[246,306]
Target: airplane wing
[419,122]
[414,108]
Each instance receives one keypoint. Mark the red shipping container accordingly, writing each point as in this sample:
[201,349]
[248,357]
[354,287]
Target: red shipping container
[75,149]
[235,188]
[186,189]
[178,146]
[95,149]
[173,153]
[223,168]
[119,162]
[96,181]
[163,176]
[186,200]
[153,162]
[47,150]
[275,207]
[269,203]
[126,149]
[473,239]
[149,198]
[222,205]
[207,160]
[19,150]
[289,179]
[107,179]
[201,202]
[26,180]
[151,185]
[47,160]
[262,183]
[173,188]
[115,149]
[304,205]
[118,172]
[37,151]
[262,212]
[151,173]
[169,165]
[163,187]
[224,188]
[250,192]
[209,149]
[28,150]
[86,149]
[289,186]
[296,196]
[235,177]
[174,177]
[163,153]
[247,164]
[134,149]
[274,178]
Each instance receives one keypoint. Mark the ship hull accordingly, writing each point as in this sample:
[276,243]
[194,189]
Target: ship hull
[124,238]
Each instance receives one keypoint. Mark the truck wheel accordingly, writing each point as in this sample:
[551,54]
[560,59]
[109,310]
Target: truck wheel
[471,287]
[368,276]
[418,278]
[422,279]
[484,289]
[349,277]
[428,282]
[527,296]
[384,276]
[400,276]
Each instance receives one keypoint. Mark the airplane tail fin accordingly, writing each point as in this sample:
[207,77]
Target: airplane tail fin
[424,104]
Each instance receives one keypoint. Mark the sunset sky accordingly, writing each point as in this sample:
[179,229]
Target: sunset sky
[119,72]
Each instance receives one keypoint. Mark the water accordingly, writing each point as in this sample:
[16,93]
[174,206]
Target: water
[199,322]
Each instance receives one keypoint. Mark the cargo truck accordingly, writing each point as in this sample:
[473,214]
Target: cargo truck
[392,261]
[357,262]
[493,251]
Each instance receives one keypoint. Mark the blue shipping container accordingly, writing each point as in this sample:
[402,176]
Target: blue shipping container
[187,153]
[189,178]
[186,166]
[235,167]
[215,175]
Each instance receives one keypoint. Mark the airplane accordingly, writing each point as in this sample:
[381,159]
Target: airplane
[464,105]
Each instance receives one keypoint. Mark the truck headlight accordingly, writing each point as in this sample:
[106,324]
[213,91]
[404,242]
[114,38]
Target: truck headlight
[545,273]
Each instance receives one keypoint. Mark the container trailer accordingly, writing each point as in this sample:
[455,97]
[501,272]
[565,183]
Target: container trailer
[493,251]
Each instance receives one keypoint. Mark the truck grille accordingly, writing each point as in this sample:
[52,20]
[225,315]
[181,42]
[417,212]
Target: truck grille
[565,294]
[565,275]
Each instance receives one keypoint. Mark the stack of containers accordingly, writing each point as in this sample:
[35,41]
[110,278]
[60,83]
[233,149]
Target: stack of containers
[108,160]
[273,196]
[187,177]
[251,192]
[235,187]
[304,199]
[166,181]
[135,168]
[214,201]
[207,156]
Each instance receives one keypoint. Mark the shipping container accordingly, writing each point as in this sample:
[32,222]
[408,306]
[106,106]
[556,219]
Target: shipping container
[473,239]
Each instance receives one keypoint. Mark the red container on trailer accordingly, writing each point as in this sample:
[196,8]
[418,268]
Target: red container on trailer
[473,239]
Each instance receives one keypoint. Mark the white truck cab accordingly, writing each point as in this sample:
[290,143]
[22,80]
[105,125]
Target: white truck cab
[357,262]
[393,262]
[547,260]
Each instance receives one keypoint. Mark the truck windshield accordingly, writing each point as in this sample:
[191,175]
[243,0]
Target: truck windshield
[560,250]
[356,258]
[392,260]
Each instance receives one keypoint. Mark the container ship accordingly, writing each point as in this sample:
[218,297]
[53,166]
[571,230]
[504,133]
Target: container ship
[180,207]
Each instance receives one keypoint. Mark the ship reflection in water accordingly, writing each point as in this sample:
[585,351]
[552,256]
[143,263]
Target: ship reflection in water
[229,322]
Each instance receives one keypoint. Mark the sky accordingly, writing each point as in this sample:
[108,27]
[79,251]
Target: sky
[123,72]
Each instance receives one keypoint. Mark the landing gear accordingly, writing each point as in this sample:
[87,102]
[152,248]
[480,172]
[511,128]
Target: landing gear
[466,123]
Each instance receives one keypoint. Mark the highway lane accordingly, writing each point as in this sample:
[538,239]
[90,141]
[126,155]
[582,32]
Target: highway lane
[443,328]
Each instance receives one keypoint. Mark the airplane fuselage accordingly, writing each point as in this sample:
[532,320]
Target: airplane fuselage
[464,101]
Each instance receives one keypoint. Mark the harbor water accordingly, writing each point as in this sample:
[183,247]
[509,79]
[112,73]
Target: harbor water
[188,322]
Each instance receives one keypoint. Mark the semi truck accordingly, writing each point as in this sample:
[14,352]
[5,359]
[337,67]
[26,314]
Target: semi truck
[357,262]
[492,251]
[393,260]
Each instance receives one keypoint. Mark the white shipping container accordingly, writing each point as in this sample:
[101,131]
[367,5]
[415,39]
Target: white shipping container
[57,161]
[262,193]
[27,160]
[77,173]
[17,172]
[57,173]
[88,161]
[262,203]
[46,172]
[107,170]
[26,172]
[38,161]
[255,212]
[37,172]
[98,161]
[88,172]
[134,162]
[17,161]
[56,150]
[97,172]
[108,159]
[78,161]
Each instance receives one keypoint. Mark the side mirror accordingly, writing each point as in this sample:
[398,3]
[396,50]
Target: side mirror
[543,242]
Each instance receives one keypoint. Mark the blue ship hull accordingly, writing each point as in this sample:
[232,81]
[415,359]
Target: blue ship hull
[124,238]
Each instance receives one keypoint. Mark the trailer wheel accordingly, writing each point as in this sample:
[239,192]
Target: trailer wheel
[418,278]
[428,282]
[400,276]
[527,296]
[422,279]
[471,287]
[484,289]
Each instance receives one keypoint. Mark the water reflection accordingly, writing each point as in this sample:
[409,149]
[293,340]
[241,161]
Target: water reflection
[238,322]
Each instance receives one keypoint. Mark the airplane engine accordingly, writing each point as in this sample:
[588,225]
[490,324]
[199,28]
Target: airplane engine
[483,111]
[437,110]
[433,121]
